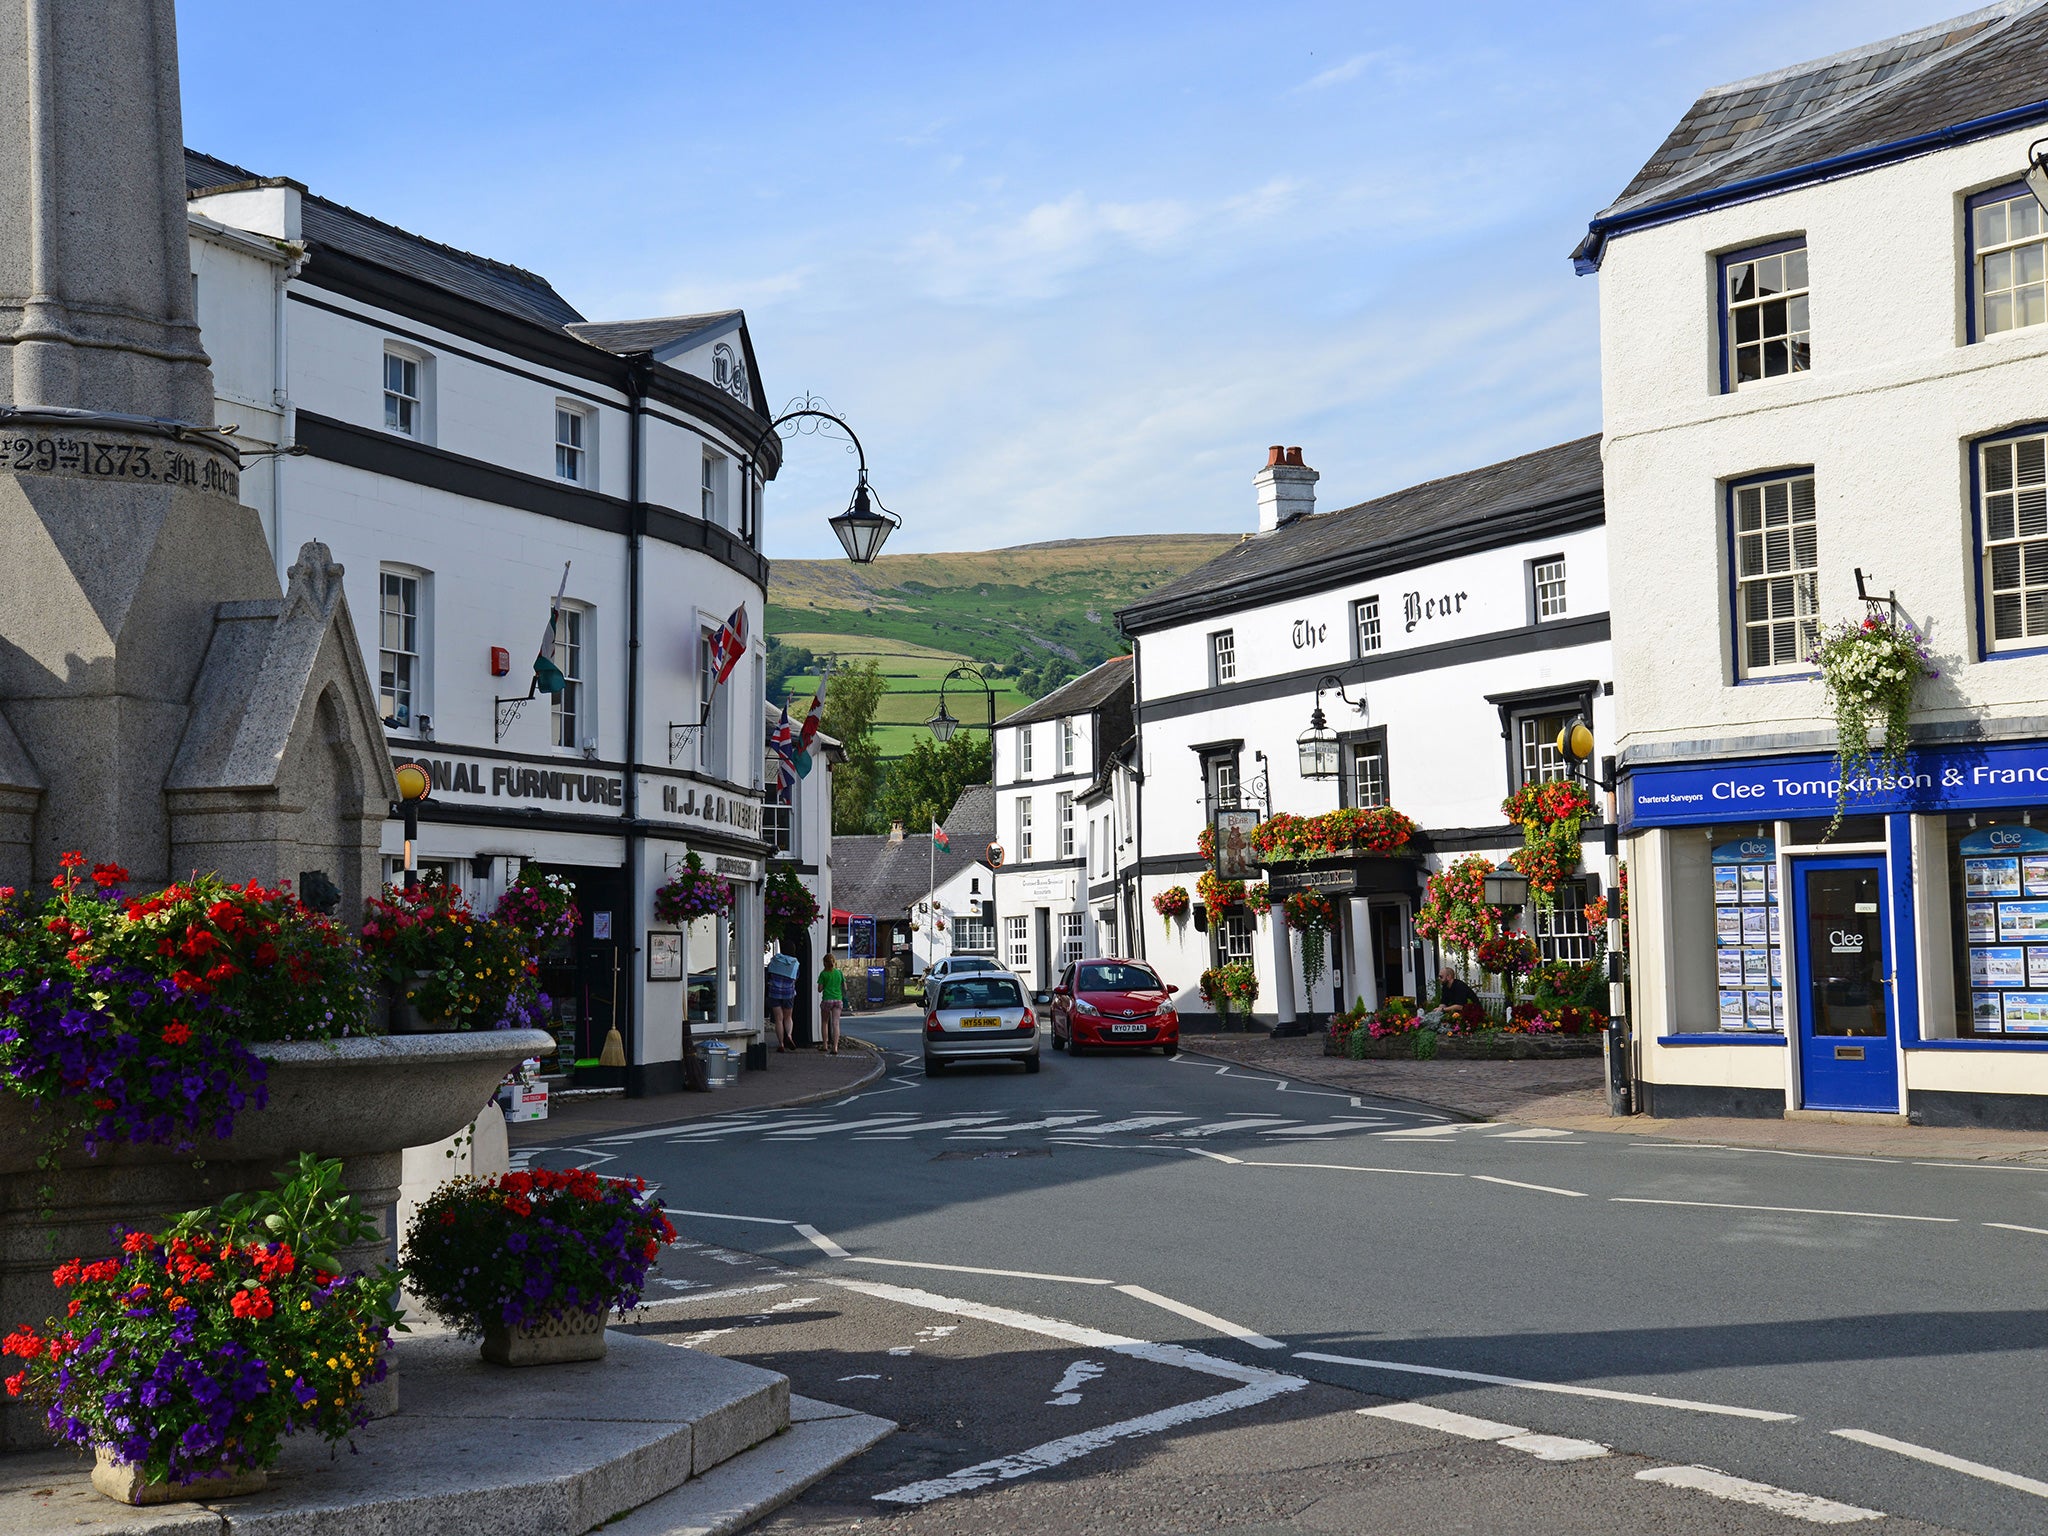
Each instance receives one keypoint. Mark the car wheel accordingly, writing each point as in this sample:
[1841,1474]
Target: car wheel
[1073,1045]
[1171,1048]
[1031,1062]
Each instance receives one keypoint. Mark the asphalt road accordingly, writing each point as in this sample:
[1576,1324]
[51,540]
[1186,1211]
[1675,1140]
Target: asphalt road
[1247,1262]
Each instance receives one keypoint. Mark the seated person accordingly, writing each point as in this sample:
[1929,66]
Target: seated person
[1455,991]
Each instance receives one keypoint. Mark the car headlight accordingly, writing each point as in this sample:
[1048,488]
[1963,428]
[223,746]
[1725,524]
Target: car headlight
[1086,1009]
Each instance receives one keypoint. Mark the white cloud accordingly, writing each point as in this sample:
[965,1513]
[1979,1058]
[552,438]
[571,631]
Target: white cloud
[1350,69]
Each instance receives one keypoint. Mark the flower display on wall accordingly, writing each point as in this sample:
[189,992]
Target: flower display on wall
[1551,814]
[1871,671]
[1454,910]
[1352,832]
[692,892]
[1171,903]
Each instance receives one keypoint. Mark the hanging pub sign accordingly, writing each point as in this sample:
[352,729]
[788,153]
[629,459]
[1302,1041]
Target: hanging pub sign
[1233,833]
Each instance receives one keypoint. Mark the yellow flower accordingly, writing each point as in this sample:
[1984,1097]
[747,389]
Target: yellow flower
[305,1306]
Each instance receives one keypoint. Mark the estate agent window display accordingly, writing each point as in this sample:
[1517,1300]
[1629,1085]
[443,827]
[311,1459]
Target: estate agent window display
[1997,868]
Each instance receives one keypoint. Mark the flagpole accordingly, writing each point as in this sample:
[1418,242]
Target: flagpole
[931,896]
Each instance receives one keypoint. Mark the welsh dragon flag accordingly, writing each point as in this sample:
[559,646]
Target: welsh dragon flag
[814,718]
[939,839]
[547,677]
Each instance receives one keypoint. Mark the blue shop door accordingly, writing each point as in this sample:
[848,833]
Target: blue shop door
[1848,1056]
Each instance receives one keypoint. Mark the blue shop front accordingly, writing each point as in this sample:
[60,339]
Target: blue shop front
[1893,962]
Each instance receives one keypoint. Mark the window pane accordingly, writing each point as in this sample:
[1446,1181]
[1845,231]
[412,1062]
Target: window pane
[1770,275]
[1742,282]
[2023,218]
[1997,313]
[1991,224]
[1795,268]
[1748,324]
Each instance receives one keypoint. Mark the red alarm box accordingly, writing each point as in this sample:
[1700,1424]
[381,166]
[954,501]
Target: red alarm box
[501,661]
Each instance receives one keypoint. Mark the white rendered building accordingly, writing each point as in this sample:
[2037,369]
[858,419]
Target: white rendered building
[1047,757]
[1825,365]
[1466,620]
[457,434]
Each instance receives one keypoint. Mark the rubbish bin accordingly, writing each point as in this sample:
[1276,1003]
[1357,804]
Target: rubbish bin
[718,1066]
[878,985]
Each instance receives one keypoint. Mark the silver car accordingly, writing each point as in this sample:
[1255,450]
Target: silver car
[979,1016]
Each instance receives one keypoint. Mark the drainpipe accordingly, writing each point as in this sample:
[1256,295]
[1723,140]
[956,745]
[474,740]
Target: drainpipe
[281,401]
[636,847]
[1140,929]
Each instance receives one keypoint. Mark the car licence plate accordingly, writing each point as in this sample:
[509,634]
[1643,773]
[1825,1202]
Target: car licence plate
[981,1023]
[1129,1029]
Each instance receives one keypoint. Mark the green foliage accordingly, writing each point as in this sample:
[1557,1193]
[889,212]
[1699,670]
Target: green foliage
[851,701]
[920,788]
[785,662]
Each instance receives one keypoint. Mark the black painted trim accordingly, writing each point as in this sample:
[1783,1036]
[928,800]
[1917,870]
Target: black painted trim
[655,1079]
[1679,1101]
[367,283]
[383,453]
[1557,635]
[1999,1111]
[1587,510]
[603,826]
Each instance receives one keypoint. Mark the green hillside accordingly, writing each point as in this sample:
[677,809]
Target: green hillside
[1041,612]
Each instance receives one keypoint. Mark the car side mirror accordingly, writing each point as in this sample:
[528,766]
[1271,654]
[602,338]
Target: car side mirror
[1043,999]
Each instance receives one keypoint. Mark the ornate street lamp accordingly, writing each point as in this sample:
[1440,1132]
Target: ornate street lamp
[1317,746]
[2037,172]
[945,723]
[865,524]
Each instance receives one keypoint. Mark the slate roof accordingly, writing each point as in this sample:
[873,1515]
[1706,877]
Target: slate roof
[1091,690]
[629,337]
[1509,499]
[1972,67]
[971,824]
[873,877]
[497,284]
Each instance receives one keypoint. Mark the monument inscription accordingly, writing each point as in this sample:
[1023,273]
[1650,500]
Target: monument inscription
[95,458]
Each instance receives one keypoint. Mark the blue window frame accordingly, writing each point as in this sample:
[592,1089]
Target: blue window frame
[2006,237]
[2009,535]
[1765,328]
[1773,574]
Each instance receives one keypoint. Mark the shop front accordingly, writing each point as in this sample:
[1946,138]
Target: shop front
[1892,963]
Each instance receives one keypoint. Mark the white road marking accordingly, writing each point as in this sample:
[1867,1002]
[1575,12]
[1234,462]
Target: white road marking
[1329,1128]
[820,1241]
[689,1127]
[1565,1389]
[793,1302]
[1548,1189]
[1138,1123]
[1217,1127]
[1786,1210]
[1987,1167]
[691,1301]
[1555,1447]
[1538,1134]
[1067,1390]
[972,1269]
[1936,1458]
[901,1349]
[1424,1132]
[1426,1416]
[765,1221]
[1048,1123]
[2007,1226]
[919,1127]
[895,1118]
[864,1376]
[1740,1490]
[1427,1173]
[1222,1325]
[1219,1157]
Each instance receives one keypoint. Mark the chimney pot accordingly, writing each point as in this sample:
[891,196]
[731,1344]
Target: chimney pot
[895,831]
[1286,488]
[1275,455]
[1294,457]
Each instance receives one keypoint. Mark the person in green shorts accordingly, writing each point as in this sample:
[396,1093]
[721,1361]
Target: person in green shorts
[831,999]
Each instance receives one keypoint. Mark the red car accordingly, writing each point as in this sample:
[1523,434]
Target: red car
[1108,1002]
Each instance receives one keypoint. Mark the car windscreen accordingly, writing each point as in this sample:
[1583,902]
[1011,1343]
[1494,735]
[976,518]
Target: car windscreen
[1117,978]
[961,967]
[981,992]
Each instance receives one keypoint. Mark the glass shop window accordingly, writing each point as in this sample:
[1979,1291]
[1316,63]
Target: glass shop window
[1998,895]
[1727,931]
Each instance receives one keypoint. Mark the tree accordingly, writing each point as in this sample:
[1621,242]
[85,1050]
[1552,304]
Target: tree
[923,784]
[852,700]
[785,662]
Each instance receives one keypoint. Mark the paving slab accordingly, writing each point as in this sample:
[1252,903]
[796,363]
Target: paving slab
[544,1451]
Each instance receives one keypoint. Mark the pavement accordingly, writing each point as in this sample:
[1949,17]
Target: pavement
[1190,1295]
[806,1076]
[1572,1095]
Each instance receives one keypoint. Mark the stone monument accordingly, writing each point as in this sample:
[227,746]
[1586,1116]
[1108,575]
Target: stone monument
[163,705]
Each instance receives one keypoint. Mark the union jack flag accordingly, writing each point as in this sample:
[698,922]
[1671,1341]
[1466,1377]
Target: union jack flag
[729,645]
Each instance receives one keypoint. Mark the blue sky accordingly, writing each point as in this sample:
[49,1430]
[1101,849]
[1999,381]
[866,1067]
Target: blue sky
[1067,268]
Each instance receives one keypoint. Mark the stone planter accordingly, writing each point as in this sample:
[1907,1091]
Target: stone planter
[578,1336]
[363,1100]
[405,1016]
[126,1484]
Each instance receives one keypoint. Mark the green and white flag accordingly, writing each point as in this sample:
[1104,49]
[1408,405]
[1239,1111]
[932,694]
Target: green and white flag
[547,677]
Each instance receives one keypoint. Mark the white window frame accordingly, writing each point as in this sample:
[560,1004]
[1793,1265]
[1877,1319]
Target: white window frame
[1222,657]
[1067,743]
[1066,810]
[1072,937]
[1562,933]
[1547,597]
[1787,271]
[1777,581]
[778,820]
[1537,760]
[575,443]
[973,936]
[2022,254]
[714,754]
[571,721]
[711,487]
[2012,530]
[1024,840]
[407,414]
[1024,752]
[1017,936]
[1234,933]
[1368,792]
[402,657]
[1365,624]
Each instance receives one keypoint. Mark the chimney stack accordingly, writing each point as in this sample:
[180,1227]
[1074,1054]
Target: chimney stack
[895,831]
[1286,488]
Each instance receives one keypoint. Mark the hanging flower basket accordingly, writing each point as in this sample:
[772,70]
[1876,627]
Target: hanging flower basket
[1550,814]
[1342,833]
[1230,987]
[787,902]
[1217,893]
[1454,910]
[1870,671]
[692,892]
[1259,898]
[1171,903]
[1312,915]
[541,908]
